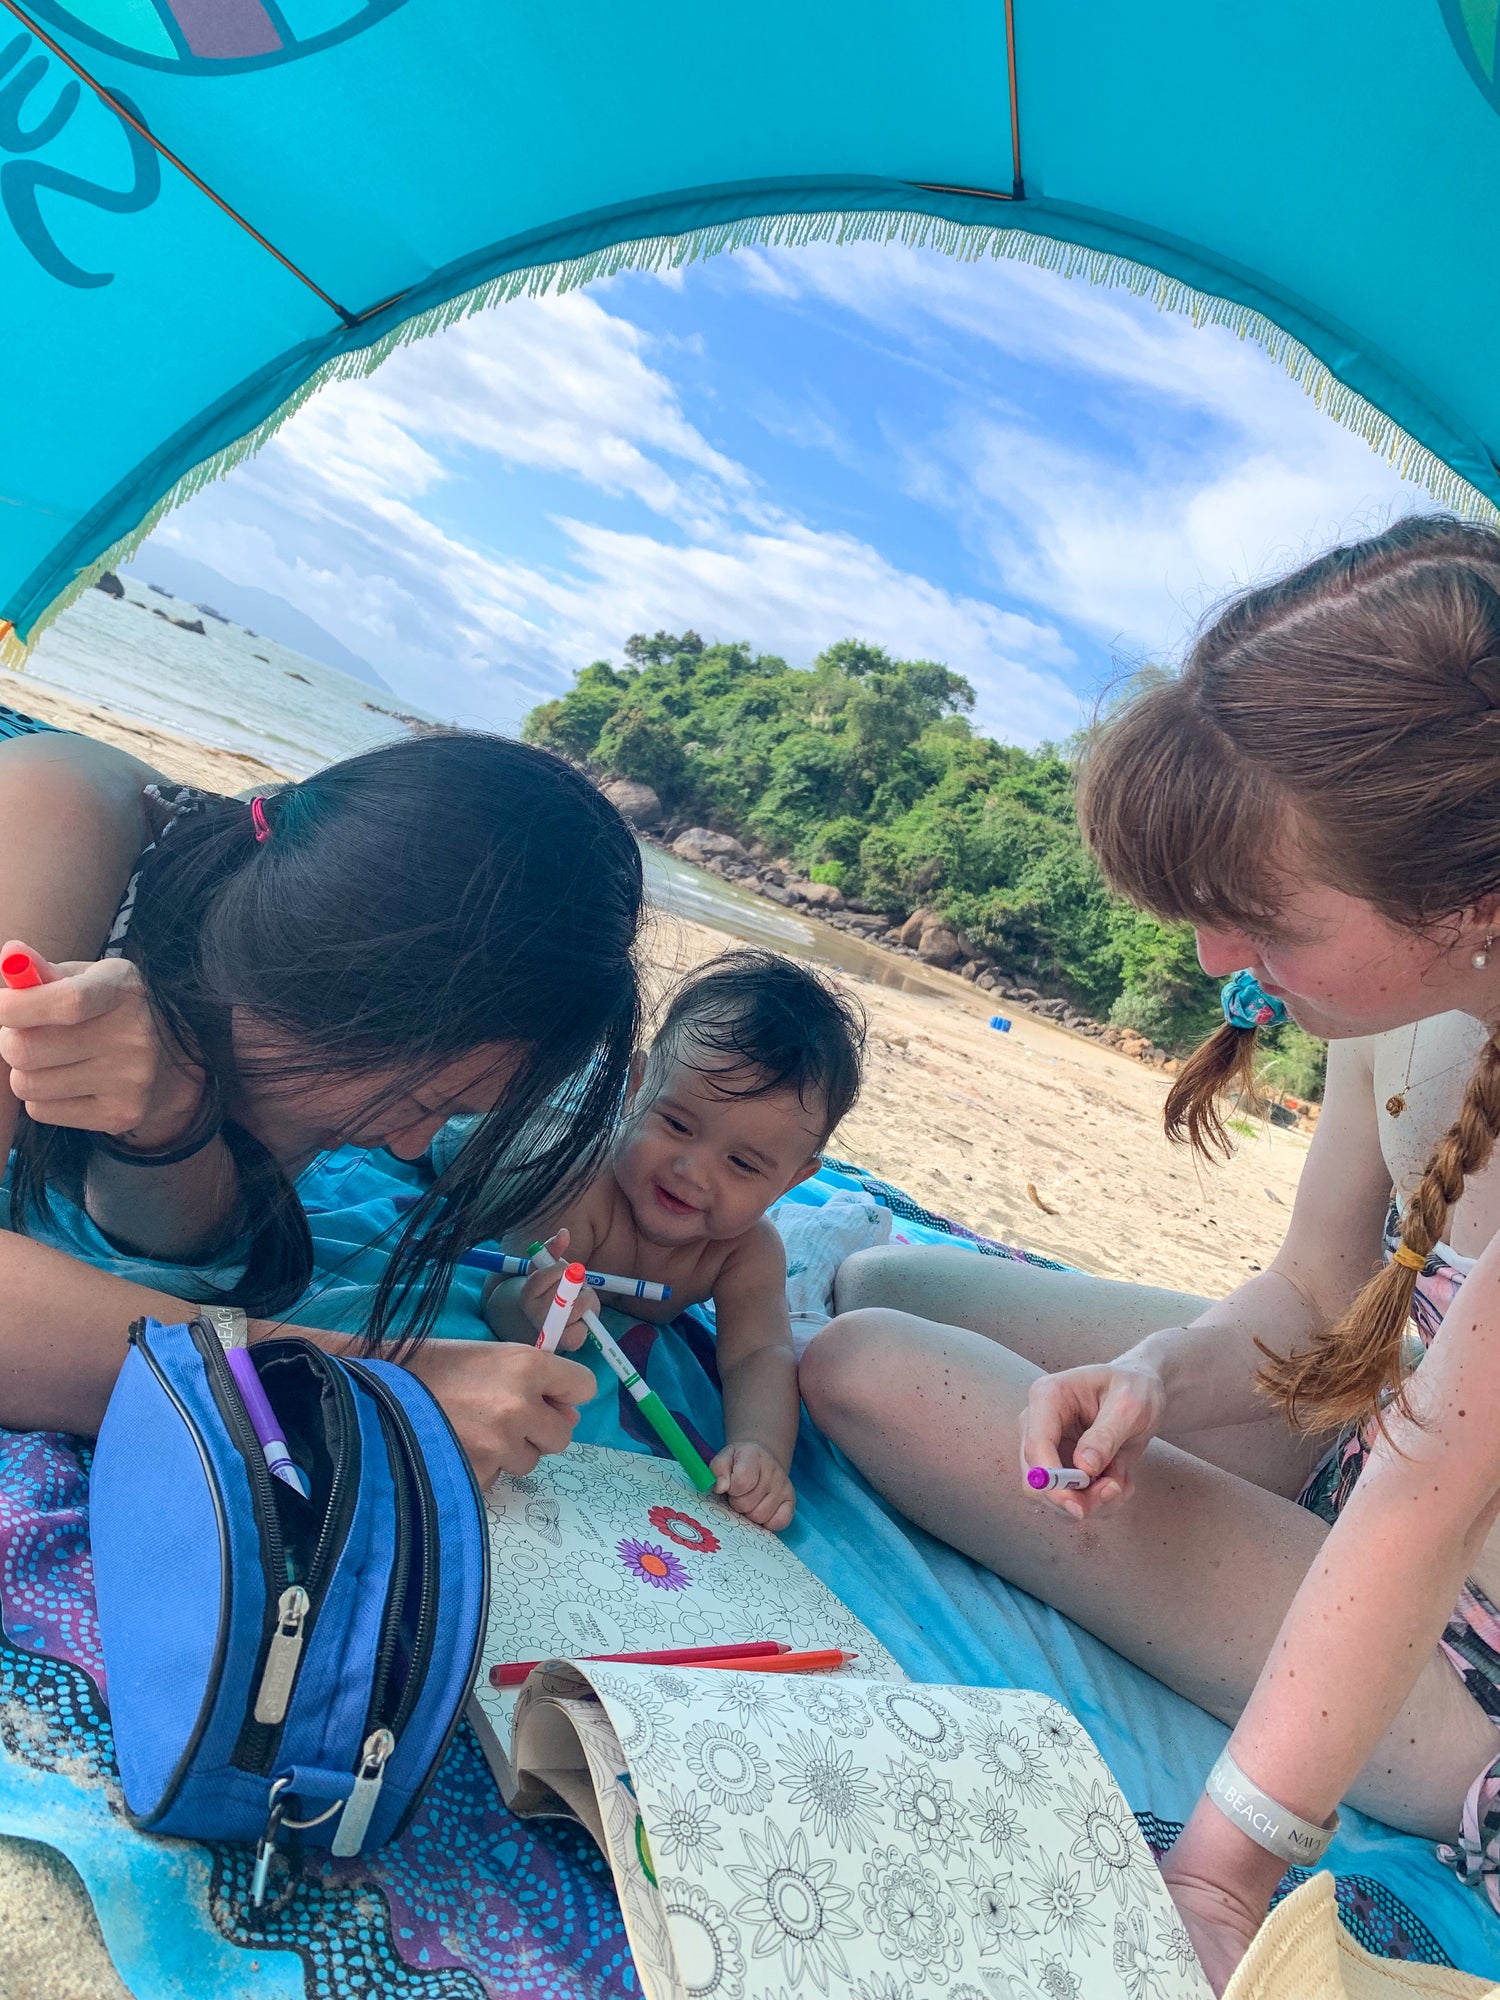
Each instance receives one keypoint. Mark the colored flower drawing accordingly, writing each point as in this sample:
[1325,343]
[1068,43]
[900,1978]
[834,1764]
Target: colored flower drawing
[830,1790]
[658,1567]
[684,1530]
[910,1914]
[796,1907]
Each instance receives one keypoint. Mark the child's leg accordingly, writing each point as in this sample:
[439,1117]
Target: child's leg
[1190,1579]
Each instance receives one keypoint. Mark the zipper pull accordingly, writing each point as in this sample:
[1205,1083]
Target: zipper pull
[354,1821]
[275,1689]
[266,1847]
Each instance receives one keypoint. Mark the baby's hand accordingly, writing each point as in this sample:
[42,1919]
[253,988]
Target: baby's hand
[754,1485]
[516,1307]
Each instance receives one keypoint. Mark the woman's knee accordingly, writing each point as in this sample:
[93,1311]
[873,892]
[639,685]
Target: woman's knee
[844,1367]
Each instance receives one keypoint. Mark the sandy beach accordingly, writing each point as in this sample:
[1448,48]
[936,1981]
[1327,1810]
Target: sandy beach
[996,1130]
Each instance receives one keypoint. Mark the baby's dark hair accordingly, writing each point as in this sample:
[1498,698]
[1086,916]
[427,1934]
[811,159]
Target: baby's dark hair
[756,1011]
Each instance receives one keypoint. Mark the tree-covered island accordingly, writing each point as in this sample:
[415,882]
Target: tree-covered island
[863,773]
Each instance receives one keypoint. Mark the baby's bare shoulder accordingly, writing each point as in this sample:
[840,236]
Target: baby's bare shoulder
[751,1260]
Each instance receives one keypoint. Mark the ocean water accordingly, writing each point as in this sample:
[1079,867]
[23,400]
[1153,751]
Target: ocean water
[227,687]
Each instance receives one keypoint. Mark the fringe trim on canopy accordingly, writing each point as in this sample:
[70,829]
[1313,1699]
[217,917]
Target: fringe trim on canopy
[969,242]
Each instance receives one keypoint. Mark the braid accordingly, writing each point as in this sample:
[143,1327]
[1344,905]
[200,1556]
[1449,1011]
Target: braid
[1347,1374]
[1220,1071]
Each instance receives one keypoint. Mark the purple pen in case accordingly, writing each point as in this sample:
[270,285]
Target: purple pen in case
[263,1422]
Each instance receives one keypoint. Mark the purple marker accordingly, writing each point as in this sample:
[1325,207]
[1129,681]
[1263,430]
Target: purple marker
[263,1422]
[1048,1478]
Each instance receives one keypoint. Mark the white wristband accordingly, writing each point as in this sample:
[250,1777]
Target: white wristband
[1296,1841]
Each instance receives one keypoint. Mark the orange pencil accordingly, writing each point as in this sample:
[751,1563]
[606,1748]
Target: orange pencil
[19,971]
[785,1663]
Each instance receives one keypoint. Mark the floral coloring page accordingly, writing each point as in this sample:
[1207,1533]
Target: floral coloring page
[602,1551]
[869,1840]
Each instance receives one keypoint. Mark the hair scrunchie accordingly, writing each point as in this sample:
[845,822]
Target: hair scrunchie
[1247,1004]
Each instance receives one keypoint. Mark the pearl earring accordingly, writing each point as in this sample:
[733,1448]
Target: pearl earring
[1482,958]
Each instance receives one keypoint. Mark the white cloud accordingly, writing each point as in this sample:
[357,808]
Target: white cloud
[343,515]
[1116,526]
[1182,462]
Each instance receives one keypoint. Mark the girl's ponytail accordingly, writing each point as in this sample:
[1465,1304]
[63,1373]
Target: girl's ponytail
[1354,1370]
[1221,1071]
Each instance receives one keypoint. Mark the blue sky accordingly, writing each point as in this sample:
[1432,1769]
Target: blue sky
[1037,480]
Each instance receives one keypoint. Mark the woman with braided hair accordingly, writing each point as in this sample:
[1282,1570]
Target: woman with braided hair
[1288,1519]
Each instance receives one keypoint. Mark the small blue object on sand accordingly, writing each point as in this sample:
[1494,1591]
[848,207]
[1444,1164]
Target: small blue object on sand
[999,1021]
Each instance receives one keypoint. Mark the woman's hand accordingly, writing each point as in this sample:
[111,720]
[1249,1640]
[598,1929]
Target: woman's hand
[1220,1924]
[1099,1419]
[509,1405]
[84,1050]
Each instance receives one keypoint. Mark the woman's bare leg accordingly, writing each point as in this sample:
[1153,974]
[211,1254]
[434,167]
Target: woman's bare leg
[1064,1319]
[1190,1579]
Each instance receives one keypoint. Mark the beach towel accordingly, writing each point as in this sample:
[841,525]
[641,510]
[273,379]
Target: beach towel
[470,1902]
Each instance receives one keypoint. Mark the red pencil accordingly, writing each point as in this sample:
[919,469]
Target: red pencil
[18,970]
[787,1663]
[758,1650]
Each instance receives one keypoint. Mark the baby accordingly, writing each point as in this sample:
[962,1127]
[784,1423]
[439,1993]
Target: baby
[756,1062]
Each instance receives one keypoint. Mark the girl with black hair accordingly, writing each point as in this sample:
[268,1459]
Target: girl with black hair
[442,927]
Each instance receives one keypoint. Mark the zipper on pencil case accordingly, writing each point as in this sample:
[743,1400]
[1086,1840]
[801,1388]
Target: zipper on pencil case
[385,1720]
[291,1610]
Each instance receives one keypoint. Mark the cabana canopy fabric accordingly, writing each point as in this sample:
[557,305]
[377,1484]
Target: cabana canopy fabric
[209,206]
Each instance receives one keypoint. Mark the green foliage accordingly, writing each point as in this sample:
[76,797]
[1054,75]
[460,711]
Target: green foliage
[864,770]
[1294,1062]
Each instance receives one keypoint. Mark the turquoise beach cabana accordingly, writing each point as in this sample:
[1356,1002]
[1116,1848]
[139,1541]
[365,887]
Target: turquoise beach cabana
[209,206]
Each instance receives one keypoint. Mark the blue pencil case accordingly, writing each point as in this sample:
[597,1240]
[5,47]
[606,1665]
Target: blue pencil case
[280,1666]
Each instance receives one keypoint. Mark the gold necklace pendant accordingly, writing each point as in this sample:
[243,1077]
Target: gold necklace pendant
[1394,1106]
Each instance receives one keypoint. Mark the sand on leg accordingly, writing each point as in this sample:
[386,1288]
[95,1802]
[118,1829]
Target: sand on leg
[1191,1579]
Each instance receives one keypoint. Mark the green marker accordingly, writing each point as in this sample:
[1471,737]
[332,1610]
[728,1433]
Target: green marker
[650,1405]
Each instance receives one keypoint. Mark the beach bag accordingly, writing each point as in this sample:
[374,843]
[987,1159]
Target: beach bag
[280,1666]
[1303,1952]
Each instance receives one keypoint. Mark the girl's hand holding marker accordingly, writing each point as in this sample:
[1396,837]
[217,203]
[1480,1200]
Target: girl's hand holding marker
[84,1051]
[565,1297]
[1102,1418]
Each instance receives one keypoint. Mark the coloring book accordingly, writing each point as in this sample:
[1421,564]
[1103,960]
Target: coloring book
[855,1834]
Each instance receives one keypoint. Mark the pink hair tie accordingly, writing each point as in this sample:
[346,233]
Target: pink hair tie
[258,820]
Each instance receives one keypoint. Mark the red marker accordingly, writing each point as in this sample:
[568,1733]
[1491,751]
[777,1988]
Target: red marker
[555,1325]
[19,971]
[756,1650]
